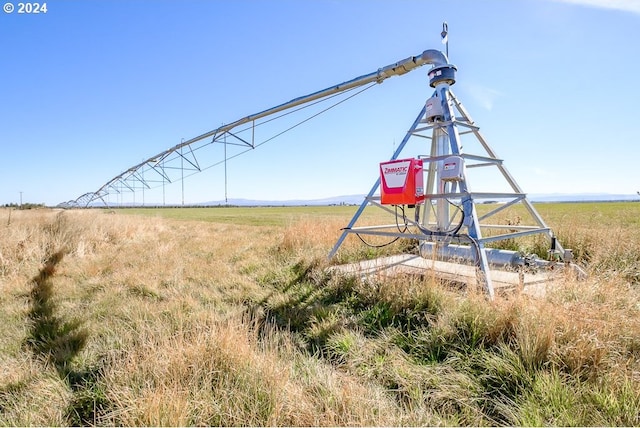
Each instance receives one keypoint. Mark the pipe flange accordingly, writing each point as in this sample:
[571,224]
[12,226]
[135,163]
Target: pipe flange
[442,74]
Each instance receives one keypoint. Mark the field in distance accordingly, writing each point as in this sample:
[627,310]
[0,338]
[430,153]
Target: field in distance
[227,316]
[267,216]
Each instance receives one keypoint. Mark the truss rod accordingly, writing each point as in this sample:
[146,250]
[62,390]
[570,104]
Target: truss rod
[431,56]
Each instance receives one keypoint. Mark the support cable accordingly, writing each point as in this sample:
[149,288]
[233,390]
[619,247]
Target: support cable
[406,227]
[285,131]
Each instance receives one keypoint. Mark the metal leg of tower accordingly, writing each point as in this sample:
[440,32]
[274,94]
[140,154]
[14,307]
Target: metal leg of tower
[364,204]
[353,221]
[484,274]
[505,173]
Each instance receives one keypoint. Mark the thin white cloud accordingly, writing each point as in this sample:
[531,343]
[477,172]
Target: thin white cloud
[623,5]
[483,95]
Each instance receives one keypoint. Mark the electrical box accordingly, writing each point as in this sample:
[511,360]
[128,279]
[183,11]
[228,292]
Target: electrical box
[433,109]
[402,182]
[452,169]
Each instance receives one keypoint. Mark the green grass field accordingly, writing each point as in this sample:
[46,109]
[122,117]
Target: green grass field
[227,316]
[559,214]
[256,216]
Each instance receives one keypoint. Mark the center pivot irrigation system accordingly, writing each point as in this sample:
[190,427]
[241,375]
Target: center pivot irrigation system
[435,186]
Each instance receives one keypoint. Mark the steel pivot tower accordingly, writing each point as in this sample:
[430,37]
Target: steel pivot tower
[448,225]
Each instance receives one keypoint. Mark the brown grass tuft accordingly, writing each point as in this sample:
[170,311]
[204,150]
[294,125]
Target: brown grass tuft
[189,322]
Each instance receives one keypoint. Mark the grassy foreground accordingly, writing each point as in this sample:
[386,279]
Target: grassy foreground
[214,317]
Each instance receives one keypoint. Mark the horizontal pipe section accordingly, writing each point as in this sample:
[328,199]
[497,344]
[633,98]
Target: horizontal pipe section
[430,56]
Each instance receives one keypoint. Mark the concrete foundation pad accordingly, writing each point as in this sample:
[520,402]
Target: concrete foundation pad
[534,284]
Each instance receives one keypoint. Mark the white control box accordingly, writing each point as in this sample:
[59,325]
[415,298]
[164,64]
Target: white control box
[452,169]
[433,109]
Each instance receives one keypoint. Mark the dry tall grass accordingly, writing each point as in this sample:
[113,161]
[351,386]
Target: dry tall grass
[111,319]
[167,343]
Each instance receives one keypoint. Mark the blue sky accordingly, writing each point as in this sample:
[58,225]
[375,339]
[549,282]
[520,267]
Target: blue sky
[92,88]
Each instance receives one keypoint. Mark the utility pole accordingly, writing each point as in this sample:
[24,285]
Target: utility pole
[20,199]
[226,200]
[182,170]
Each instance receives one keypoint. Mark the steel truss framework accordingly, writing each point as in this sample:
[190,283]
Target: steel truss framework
[464,226]
[171,165]
[444,131]
[191,157]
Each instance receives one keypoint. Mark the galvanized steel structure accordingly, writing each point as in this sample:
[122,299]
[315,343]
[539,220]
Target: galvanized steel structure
[448,224]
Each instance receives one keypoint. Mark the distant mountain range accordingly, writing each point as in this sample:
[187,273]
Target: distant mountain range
[357,199]
[336,200]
